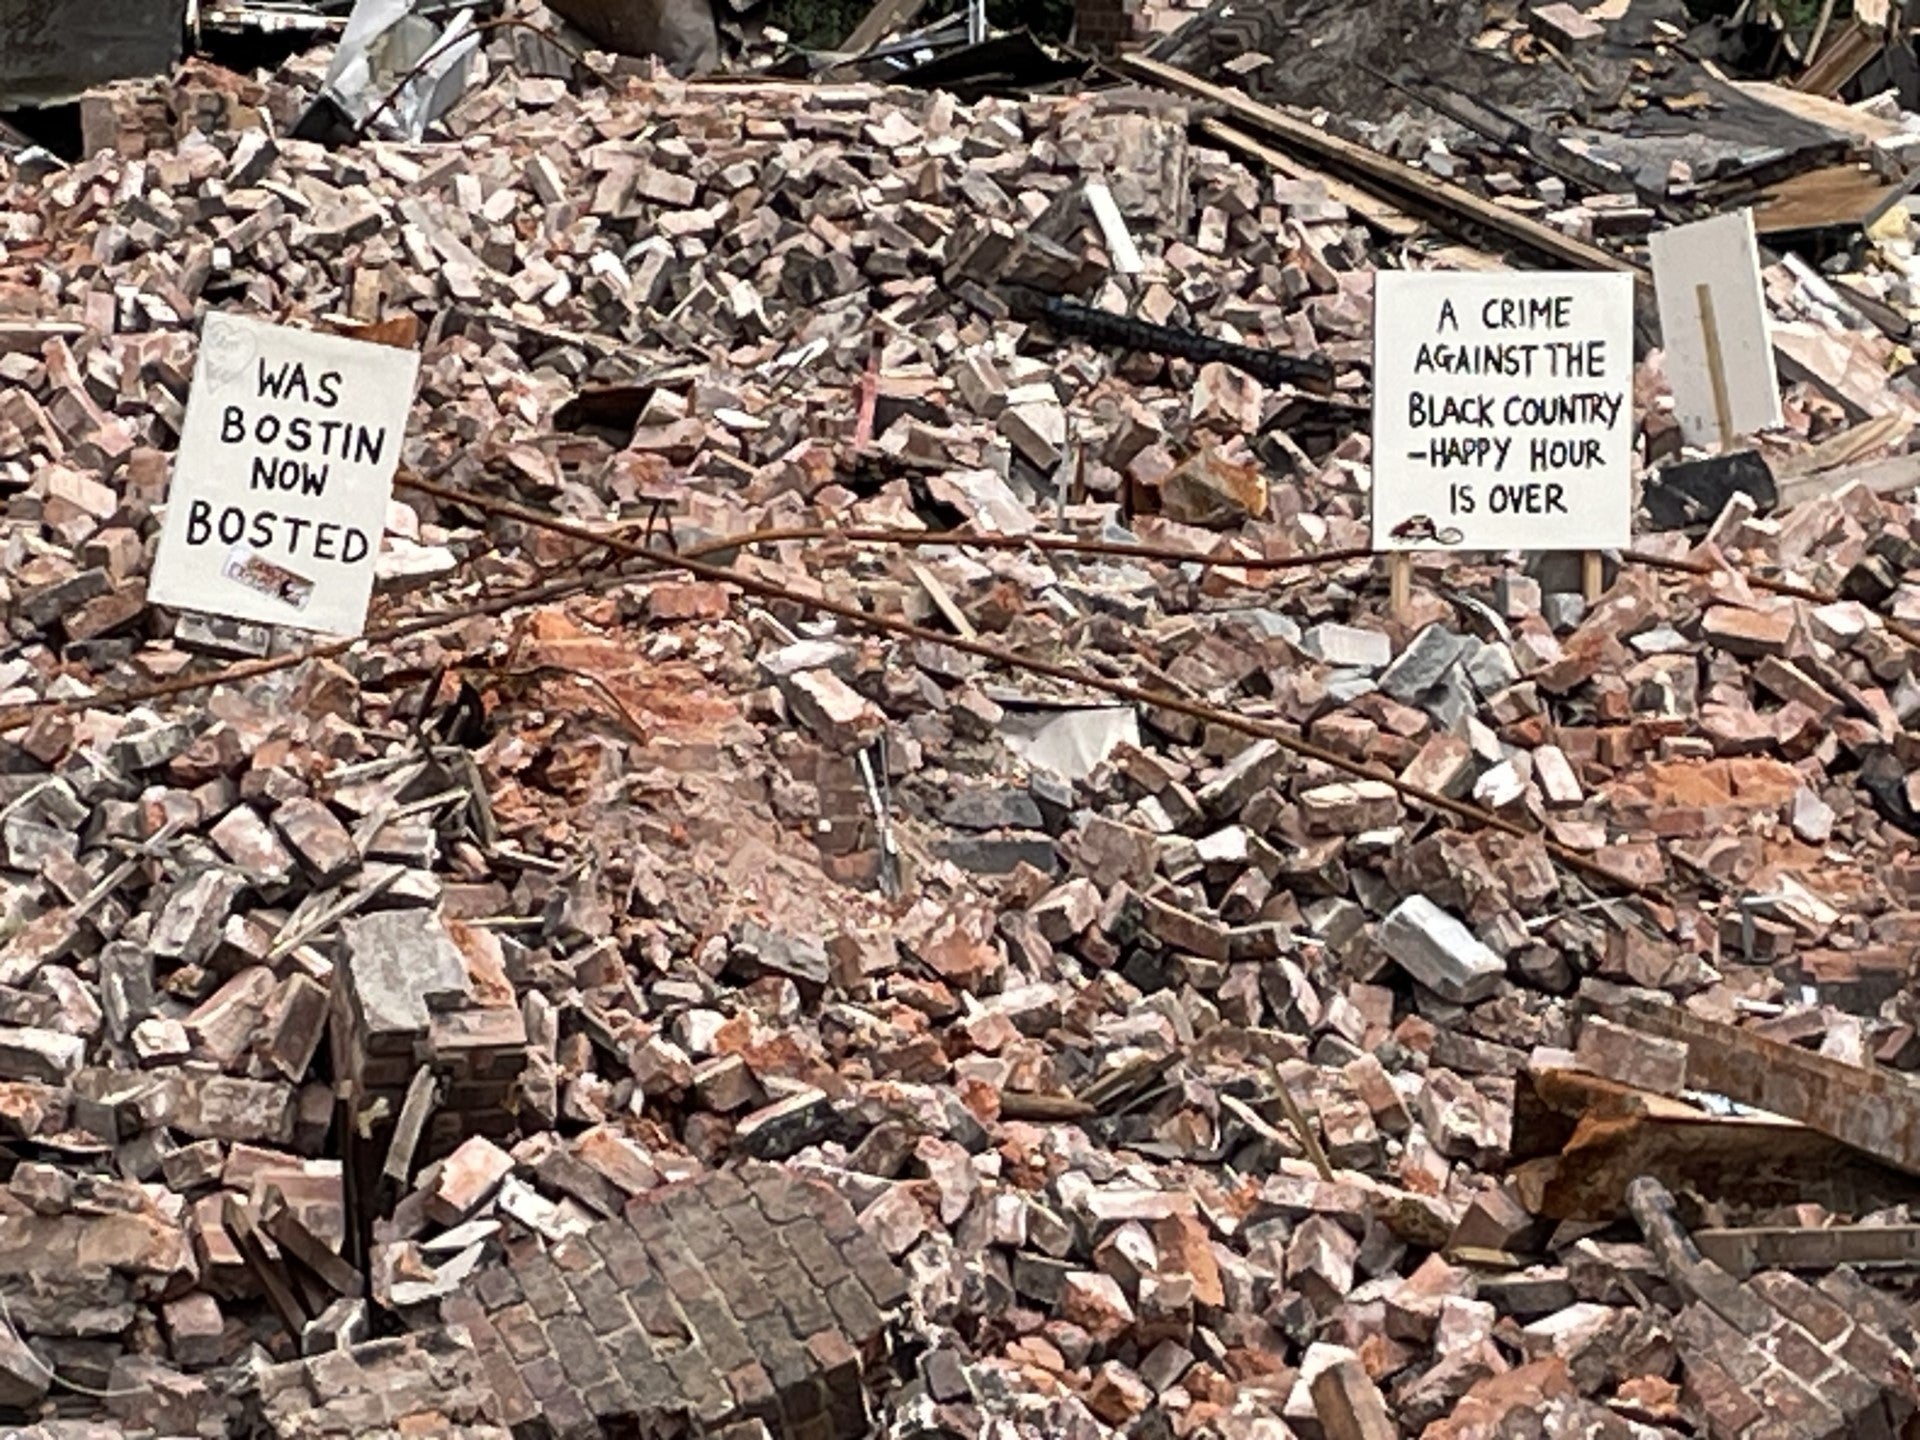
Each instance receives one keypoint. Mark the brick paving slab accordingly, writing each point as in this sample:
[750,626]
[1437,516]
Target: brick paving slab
[747,1294]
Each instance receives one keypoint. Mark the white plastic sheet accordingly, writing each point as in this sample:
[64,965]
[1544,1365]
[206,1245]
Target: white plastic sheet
[384,41]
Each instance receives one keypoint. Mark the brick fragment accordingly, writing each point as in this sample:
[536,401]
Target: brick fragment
[1349,1405]
[1748,633]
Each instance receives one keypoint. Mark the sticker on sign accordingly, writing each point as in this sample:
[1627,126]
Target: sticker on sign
[279,492]
[1502,411]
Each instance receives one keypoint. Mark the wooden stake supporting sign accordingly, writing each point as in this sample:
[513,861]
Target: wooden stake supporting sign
[1399,583]
[1716,365]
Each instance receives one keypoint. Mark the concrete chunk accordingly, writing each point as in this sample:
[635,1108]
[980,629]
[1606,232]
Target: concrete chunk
[1348,647]
[399,968]
[320,840]
[1419,667]
[1240,779]
[1440,952]
[776,1131]
[24,1378]
[1645,1062]
[189,925]
[46,1056]
[757,951]
[1349,1405]
[839,715]
[468,1180]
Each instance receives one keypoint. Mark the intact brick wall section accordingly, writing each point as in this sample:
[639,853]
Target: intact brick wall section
[747,1294]
[1814,1371]
[404,1012]
[419,1385]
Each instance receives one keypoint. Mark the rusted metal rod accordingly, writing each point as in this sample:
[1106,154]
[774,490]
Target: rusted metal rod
[1287,739]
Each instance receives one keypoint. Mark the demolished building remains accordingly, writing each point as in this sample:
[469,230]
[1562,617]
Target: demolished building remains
[890,860]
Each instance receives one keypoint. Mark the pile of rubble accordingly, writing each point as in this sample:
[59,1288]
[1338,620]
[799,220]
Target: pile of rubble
[616,1001]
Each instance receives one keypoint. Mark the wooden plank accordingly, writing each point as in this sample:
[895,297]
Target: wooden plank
[1769,1247]
[1890,322]
[1883,477]
[1376,214]
[881,21]
[1046,1109]
[1820,30]
[414,1113]
[297,1242]
[1465,257]
[356,1193]
[1580,1141]
[1839,62]
[1297,1118]
[1875,1111]
[943,601]
[1842,197]
[267,1270]
[1402,179]
[1834,114]
[28,337]
[1843,449]
[1124,254]
[398,332]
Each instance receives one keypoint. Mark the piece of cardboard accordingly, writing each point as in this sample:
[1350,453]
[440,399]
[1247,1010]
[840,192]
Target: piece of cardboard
[1503,411]
[280,489]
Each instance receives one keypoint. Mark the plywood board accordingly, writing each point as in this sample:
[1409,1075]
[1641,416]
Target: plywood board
[1713,317]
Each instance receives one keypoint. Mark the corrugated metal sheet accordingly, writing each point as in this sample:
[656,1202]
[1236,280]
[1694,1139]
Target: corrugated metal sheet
[52,50]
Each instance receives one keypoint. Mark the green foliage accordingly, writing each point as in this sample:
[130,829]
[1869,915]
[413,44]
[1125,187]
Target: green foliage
[1800,16]
[817,24]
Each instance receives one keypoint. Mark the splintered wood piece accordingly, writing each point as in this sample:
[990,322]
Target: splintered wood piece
[282,1296]
[415,1111]
[299,1244]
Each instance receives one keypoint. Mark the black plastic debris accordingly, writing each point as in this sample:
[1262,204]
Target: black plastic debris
[1689,494]
[1313,373]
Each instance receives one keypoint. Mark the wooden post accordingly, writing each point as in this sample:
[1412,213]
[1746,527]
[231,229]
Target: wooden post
[867,396]
[1819,34]
[1592,576]
[1297,1118]
[1399,583]
[1716,366]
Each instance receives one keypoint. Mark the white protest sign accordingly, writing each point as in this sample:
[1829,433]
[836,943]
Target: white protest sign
[1713,320]
[1502,411]
[279,492]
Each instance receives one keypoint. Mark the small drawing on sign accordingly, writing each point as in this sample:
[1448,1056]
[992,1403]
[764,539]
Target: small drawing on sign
[228,352]
[266,577]
[1421,527]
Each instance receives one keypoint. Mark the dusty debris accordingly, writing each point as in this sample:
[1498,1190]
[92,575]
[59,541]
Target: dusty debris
[57,51]
[1102,971]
